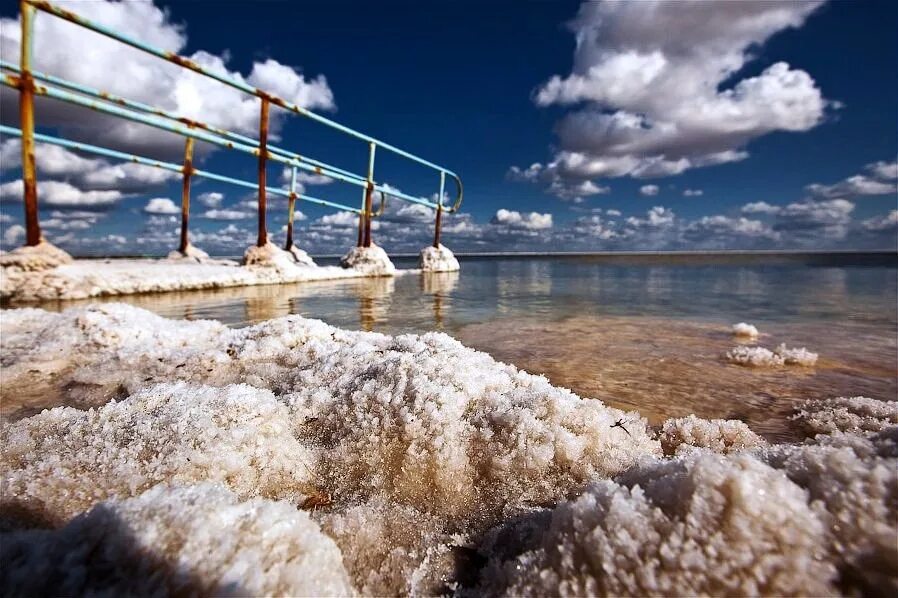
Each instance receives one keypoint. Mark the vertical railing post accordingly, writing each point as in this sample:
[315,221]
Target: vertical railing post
[290,207]
[369,190]
[263,157]
[438,222]
[187,171]
[26,113]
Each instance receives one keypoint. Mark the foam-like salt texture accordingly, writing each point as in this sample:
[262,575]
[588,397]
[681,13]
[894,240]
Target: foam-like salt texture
[719,435]
[761,357]
[198,540]
[409,448]
[64,460]
[745,330]
[438,259]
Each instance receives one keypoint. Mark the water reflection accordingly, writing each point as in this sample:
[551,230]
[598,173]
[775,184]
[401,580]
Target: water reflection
[439,285]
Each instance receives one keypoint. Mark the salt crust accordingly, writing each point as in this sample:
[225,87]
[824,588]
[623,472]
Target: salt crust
[745,330]
[421,459]
[34,258]
[82,279]
[438,259]
[373,261]
[198,540]
[761,357]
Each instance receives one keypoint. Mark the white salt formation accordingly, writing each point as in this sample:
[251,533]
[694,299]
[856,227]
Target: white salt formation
[438,259]
[301,257]
[720,435]
[190,253]
[34,258]
[855,415]
[407,451]
[197,540]
[744,330]
[82,279]
[372,261]
[761,357]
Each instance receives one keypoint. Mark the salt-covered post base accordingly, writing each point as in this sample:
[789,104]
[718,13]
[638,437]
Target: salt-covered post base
[373,261]
[301,257]
[32,258]
[438,259]
[192,253]
[271,255]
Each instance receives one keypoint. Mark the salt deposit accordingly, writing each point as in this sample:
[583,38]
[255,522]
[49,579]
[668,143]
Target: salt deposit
[197,540]
[372,261]
[438,259]
[761,357]
[34,258]
[431,466]
[745,330]
[82,279]
[301,257]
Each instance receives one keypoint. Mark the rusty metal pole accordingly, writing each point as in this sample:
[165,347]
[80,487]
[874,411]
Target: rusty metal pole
[26,113]
[263,157]
[437,226]
[185,194]
[290,208]
[369,190]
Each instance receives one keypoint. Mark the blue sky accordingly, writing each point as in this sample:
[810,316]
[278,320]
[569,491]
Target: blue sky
[671,126]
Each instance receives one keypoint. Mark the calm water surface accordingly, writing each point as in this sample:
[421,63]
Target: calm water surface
[636,332]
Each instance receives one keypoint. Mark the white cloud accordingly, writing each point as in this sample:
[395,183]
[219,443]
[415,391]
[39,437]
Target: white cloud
[727,229]
[879,181]
[211,199]
[161,205]
[83,56]
[226,214]
[889,222]
[815,219]
[760,207]
[612,212]
[13,234]
[649,190]
[519,221]
[693,193]
[58,194]
[657,217]
[86,173]
[575,192]
[655,80]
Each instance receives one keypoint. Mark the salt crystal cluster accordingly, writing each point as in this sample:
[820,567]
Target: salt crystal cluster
[762,357]
[34,258]
[438,259]
[745,330]
[196,540]
[424,466]
[372,260]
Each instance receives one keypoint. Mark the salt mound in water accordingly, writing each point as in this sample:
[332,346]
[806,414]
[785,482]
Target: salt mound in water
[745,330]
[761,357]
[198,540]
[856,415]
[64,460]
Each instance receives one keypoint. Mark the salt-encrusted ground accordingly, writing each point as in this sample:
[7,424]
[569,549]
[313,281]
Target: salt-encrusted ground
[81,279]
[295,458]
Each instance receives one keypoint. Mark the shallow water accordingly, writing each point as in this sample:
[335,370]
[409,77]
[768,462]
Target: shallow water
[645,333]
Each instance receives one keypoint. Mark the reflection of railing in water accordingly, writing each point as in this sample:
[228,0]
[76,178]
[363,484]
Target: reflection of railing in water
[23,78]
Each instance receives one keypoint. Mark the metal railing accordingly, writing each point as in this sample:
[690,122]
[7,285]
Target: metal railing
[31,83]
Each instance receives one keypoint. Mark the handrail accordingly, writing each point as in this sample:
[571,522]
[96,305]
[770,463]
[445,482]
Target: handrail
[246,88]
[24,79]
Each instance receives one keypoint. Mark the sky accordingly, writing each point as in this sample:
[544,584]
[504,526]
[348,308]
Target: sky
[595,127]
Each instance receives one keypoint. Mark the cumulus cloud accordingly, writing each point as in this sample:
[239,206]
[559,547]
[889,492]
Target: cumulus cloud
[13,234]
[878,180]
[226,214]
[649,190]
[815,219]
[760,207]
[211,199]
[723,230]
[161,205]
[531,221]
[886,223]
[693,193]
[563,189]
[652,82]
[56,162]
[58,194]
[83,56]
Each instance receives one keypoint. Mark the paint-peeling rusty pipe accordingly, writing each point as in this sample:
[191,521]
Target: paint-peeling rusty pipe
[263,158]
[368,210]
[291,206]
[26,114]
[185,194]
